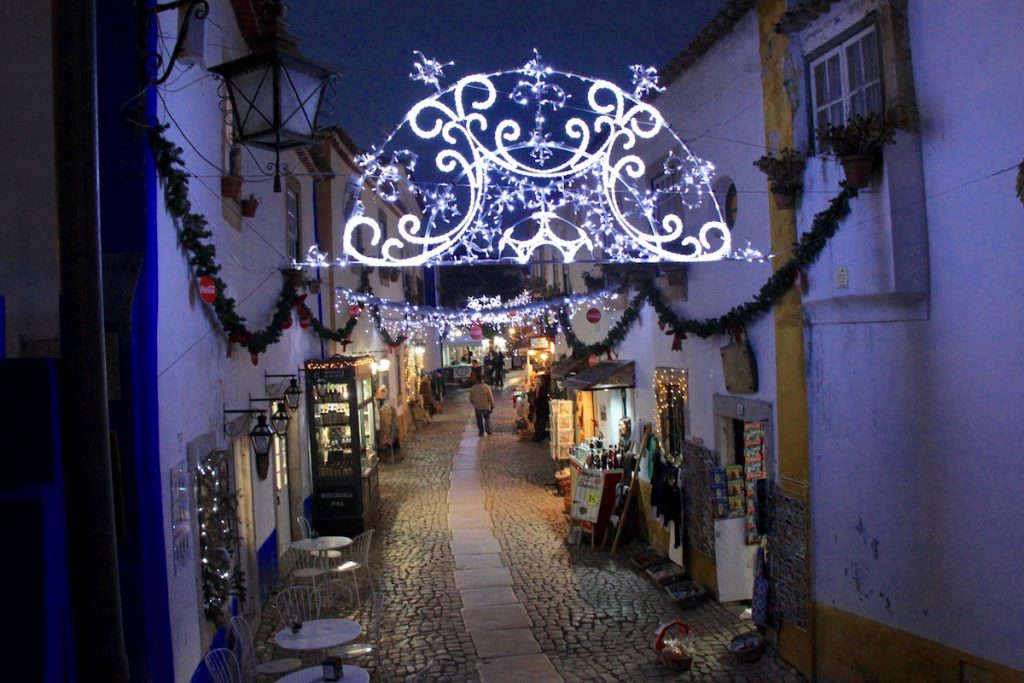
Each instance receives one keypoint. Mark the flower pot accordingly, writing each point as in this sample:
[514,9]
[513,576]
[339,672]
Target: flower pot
[249,207]
[230,187]
[857,170]
[785,197]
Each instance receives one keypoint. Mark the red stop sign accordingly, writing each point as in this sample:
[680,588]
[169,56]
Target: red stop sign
[476,332]
[207,289]
[593,315]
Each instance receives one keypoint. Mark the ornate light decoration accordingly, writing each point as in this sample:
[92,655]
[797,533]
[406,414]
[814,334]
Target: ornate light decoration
[532,158]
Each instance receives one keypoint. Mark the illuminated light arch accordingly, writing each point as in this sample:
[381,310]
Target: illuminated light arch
[514,161]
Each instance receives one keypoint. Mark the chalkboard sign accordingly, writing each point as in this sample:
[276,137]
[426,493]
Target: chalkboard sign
[587,500]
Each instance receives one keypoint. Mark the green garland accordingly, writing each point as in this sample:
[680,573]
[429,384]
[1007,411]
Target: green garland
[192,235]
[805,252]
[221,574]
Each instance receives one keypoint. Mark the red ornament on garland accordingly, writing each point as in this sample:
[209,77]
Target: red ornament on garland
[305,321]
[594,315]
[593,360]
[287,323]
[355,310]
[255,358]
[476,332]
[207,289]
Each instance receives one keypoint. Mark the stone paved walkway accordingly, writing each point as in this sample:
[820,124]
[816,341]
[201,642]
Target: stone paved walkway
[469,549]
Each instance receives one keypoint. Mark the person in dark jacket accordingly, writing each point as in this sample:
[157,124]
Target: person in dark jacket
[541,406]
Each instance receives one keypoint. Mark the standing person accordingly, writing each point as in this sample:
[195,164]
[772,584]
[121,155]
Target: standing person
[498,370]
[482,400]
[541,406]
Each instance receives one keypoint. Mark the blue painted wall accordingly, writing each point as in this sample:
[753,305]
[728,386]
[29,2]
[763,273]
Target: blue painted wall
[266,561]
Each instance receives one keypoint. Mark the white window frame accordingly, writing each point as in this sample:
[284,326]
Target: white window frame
[292,228]
[839,109]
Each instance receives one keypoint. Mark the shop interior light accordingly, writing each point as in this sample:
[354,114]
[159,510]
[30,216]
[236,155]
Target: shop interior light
[384,364]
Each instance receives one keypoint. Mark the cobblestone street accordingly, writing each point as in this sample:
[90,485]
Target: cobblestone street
[592,616]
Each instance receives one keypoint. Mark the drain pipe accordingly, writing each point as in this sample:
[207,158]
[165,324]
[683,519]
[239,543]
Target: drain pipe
[92,544]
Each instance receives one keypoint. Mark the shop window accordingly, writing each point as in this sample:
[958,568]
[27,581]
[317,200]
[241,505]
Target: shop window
[280,465]
[292,226]
[846,80]
[670,393]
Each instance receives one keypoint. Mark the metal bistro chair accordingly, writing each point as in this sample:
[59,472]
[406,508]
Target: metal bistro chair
[309,567]
[223,666]
[302,602]
[363,648]
[306,531]
[359,560]
[247,654]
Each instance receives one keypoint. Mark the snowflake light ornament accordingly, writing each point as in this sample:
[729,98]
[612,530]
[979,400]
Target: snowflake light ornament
[430,71]
[645,80]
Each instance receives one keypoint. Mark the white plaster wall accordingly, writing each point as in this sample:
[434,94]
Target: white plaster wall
[915,425]
[197,376]
[29,279]
[716,103]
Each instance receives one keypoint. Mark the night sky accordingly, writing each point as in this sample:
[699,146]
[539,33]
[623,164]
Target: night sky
[373,42]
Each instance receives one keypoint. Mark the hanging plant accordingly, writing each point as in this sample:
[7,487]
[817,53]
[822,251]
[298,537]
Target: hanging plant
[858,143]
[785,175]
[249,205]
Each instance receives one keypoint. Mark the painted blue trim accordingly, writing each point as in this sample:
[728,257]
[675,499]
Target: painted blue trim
[307,507]
[266,567]
[201,673]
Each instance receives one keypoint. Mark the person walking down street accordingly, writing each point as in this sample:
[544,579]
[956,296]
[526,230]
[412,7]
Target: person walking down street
[498,371]
[482,400]
[541,406]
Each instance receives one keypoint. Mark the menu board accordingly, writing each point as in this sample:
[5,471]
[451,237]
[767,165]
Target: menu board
[587,500]
[753,467]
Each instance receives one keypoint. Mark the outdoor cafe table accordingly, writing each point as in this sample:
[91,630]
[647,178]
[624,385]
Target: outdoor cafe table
[322,543]
[319,634]
[315,674]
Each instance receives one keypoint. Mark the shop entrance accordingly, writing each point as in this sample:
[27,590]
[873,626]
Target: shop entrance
[743,438]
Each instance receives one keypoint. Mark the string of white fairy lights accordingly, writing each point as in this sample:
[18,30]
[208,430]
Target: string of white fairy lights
[400,317]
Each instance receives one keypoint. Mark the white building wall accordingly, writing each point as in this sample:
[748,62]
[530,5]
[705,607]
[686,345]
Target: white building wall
[200,374]
[914,423]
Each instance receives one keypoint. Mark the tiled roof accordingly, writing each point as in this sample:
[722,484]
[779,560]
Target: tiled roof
[722,24]
[246,15]
[801,14]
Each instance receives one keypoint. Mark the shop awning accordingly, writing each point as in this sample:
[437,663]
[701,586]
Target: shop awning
[609,374]
[567,367]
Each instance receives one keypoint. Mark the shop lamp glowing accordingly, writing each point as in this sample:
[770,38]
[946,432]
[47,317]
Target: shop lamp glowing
[280,419]
[383,365]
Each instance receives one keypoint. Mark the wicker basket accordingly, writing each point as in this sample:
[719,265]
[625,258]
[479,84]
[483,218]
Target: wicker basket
[748,647]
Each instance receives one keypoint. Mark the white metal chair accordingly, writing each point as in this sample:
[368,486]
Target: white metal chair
[359,560]
[309,568]
[247,654]
[223,666]
[306,531]
[362,648]
[298,602]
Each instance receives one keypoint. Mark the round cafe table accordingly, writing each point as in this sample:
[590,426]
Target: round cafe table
[319,634]
[315,674]
[322,543]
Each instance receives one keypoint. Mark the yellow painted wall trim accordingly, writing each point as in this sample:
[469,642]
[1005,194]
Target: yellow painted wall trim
[851,648]
[795,646]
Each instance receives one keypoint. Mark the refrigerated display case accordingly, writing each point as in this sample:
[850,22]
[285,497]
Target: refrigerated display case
[342,444]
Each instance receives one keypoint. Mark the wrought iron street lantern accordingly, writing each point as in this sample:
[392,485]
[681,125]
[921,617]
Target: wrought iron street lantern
[261,435]
[292,393]
[276,93]
[280,419]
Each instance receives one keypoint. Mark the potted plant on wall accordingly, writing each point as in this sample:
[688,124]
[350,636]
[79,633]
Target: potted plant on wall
[785,175]
[858,143]
[249,205]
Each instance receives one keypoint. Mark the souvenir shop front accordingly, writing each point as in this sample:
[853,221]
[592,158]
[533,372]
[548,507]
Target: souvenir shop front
[597,417]
[712,493]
